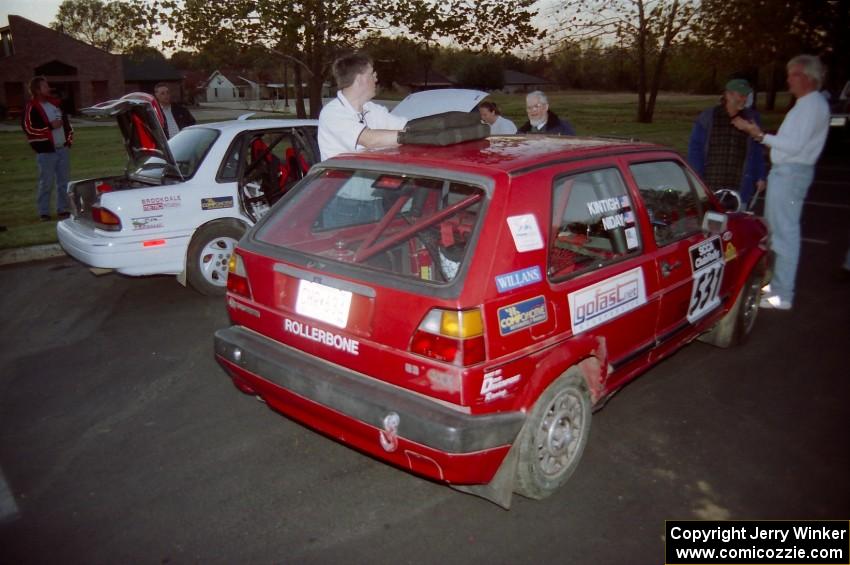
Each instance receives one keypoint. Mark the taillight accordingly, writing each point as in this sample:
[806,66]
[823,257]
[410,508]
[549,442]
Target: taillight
[105,219]
[453,336]
[102,187]
[237,278]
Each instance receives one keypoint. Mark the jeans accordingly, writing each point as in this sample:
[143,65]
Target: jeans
[787,186]
[53,167]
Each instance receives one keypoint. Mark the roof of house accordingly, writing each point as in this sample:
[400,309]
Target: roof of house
[432,78]
[230,76]
[516,77]
[23,23]
[149,70]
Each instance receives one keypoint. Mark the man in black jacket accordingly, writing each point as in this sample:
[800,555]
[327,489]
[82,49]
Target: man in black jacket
[541,119]
[177,117]
[50,135]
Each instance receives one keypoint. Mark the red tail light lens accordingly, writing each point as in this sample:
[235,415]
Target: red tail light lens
[105,219]
[237,278]
[453,336]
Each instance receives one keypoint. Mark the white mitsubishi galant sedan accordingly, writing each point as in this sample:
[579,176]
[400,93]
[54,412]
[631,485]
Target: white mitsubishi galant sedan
[184,203]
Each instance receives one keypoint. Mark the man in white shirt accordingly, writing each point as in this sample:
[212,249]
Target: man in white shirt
[351,122]
[794,150]
[499,125]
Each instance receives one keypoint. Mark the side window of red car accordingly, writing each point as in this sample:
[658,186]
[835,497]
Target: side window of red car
[674,203]
[593,223]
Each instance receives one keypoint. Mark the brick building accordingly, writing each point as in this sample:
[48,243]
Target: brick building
[143,75]
[80,74]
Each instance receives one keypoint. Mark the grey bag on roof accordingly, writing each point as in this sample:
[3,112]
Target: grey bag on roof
[444,129]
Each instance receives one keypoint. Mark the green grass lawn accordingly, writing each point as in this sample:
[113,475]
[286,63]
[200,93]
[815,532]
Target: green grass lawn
[99,151]
[613,114]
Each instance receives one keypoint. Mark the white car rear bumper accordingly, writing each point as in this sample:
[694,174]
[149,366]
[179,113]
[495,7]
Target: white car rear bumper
[154,254]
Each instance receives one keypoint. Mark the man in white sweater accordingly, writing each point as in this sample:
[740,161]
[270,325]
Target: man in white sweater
[794,150]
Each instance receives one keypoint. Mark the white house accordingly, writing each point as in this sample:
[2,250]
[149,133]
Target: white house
[251,90]
[219,88]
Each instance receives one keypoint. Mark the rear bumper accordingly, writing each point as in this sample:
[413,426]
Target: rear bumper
[431,440]
[127,255]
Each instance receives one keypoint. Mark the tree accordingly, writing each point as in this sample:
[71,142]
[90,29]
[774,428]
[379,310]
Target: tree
[766,33]
[393,57]
[303,33]
[484,24]
[647,28]
[480,71]
[311,33]
[117,26]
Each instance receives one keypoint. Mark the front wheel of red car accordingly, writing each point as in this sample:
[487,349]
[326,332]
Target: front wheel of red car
[554,436]
[735,327]
[209,253]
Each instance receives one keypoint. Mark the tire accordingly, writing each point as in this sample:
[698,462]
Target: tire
[748,308]
[208,255]
[553,438]
[737,325]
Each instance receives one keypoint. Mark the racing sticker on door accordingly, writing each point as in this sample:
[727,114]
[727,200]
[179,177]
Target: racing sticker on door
[606,300]
[707,265]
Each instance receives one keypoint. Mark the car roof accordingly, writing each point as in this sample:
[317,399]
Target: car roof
[264,123]
[509,154]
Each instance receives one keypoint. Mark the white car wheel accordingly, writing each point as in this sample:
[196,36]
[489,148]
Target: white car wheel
[209,254]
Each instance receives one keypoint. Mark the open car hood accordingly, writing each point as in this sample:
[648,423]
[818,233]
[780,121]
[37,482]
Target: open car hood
[141,121]
[432,102]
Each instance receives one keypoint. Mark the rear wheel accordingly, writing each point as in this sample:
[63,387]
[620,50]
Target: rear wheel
[554,436]
[209,253]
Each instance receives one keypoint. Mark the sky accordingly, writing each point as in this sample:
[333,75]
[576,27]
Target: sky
[39,11]
[44,11]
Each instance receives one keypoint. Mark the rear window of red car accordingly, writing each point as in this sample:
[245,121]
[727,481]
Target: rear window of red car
[415,227]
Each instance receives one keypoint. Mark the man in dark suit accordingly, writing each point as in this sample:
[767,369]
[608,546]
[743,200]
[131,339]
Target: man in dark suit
[177,116]
[541,119]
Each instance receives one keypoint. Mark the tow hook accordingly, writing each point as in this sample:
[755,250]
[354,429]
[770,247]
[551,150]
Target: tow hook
[389,435]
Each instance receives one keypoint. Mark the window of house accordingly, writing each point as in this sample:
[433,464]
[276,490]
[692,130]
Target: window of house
[674,201]
[593,223]
[8,47]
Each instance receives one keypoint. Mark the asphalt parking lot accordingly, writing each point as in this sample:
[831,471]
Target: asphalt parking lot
[122,441]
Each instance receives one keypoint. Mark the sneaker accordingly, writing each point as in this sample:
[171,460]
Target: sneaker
[773,302]
[765,289]
[63,215]
[45,218]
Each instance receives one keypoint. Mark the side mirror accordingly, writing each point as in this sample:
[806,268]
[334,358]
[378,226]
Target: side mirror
[714,222]
[730,199]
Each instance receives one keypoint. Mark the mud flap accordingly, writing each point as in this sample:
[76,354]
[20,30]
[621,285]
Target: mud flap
[500,489]
[181,276]
[97,271]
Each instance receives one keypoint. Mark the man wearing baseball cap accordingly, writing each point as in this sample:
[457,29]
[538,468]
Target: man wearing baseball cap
[724,156]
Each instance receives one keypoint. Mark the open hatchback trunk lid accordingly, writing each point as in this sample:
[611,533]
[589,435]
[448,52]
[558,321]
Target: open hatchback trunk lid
[433,102]
[140,118]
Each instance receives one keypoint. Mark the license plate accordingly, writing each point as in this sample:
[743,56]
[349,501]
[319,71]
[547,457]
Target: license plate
[838,122]
[323,303]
